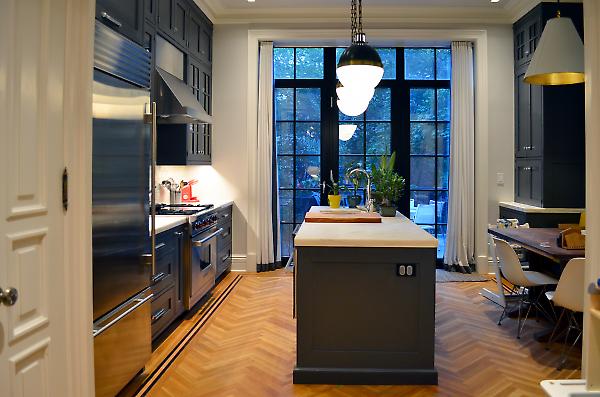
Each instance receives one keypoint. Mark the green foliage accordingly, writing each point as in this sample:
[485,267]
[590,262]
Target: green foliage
[334,187]
[389,186]
[356,179]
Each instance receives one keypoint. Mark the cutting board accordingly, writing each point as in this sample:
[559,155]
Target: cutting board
[342,217]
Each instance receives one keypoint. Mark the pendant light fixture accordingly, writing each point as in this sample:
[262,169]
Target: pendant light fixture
[354,100]
[558,58]
[359,64]
[346,131]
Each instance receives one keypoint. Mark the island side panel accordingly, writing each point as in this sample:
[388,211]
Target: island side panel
[359,322]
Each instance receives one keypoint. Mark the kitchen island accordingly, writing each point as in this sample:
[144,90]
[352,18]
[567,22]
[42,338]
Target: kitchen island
[365,303]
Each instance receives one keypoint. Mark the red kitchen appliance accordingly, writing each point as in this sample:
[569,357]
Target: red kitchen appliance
[187,196]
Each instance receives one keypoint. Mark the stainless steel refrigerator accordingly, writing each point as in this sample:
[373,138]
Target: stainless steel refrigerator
[122,242]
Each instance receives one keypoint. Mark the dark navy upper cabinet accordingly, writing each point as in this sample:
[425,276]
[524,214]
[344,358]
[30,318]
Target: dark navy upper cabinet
[150,11]
[126,17]
[549,122]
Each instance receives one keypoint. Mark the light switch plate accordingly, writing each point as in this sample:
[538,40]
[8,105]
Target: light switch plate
[500,179]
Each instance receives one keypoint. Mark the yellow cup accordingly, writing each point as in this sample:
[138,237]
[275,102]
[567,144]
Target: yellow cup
[334,200]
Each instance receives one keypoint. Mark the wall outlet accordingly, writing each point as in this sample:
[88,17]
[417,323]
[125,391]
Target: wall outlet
[500,179]
[403,270]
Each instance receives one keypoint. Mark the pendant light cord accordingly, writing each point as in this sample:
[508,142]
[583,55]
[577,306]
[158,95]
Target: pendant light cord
[360,30]
[353,22]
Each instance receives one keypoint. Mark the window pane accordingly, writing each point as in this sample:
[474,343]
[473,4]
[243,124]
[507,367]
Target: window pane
[379,138]
[285,167]
[443,105]
[286,208]
[338,54]
[287,245]
[443,64]
[442,210]
[441,236]
[388,57]
[443,167]
[308,172]
[347,163]
[285,137]
[380,107]
[284,104]
[343,117]
[418,64]
[354,145]
[422,104]
[308,138]
[422,138]
[304,200]
[443,130]
[422,172]
[283,63]
[308,104]
[373,161]
[309,63]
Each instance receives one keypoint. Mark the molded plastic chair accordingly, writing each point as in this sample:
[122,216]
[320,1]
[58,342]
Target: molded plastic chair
[523,280]
[569,295]
[425,216]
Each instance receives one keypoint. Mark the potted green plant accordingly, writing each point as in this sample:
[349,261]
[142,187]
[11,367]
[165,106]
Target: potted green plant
[389,186]
[334,197]
[354,178]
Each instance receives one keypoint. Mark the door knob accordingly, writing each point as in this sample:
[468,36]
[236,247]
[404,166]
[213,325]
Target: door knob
[8,296]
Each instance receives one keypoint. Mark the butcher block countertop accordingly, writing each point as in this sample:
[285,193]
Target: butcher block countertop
[392,232]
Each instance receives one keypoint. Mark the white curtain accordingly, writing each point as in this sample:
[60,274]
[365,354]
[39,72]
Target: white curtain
[460,237]
[266,254]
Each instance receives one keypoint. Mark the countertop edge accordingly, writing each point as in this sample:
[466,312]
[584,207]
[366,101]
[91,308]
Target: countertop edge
[538,210]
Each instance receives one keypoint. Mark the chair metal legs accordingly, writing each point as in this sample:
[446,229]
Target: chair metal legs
[573,325]
[524,297]
[562,314]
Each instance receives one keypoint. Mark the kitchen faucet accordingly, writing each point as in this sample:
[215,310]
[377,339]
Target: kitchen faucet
[369,202]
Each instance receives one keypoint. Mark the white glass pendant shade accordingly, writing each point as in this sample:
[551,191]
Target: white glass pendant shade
[346,131]
[355,93]
[558,58]
[360,75]
[352,108]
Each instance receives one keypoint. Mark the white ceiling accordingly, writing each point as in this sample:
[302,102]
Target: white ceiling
[244,4]
[385,11]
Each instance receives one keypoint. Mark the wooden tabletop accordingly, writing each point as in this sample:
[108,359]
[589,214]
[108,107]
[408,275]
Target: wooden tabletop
[532,239]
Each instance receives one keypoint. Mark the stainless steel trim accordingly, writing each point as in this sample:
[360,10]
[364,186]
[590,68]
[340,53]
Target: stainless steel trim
[199,243]
[151,117]
[139,302]
[111,19]
[176,103]
[159,277]
[159,314]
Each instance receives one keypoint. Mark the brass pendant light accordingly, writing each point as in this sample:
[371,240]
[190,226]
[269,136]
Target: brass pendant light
[558,58]
[359,64]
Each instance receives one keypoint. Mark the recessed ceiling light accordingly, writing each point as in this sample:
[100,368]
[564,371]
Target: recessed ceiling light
[251,1]
[493,1]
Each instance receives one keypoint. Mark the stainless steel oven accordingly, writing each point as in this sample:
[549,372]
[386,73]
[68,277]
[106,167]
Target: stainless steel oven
[203,259]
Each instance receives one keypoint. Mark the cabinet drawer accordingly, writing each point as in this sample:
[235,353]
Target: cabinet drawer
[163,310]
[224,238]
[223,259]
[225,215]
[166,265]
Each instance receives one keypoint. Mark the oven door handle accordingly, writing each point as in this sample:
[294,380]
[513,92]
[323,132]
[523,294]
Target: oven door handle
[199,243]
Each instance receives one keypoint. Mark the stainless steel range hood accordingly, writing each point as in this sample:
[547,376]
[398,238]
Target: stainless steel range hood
[176,104]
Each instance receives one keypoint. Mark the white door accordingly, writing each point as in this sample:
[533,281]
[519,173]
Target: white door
[34,334]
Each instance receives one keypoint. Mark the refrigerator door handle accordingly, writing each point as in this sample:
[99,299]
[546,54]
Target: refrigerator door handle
[139,302]
[150,118]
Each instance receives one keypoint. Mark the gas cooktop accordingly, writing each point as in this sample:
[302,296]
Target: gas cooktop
[181,209]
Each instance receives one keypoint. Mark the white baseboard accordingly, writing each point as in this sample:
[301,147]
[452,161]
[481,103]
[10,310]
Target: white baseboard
[238,263]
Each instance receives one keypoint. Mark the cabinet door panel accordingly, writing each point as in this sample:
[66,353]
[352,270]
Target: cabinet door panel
[522,115]
[206,43]
[150,10]
[194,34]
[536,183]
[179,22]
[126,17]
[536,137]
[164,18]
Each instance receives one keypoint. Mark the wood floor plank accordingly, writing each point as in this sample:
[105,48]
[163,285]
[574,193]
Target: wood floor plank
[247,348]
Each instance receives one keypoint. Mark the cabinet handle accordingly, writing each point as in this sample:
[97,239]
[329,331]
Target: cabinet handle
[111,19]
[159,277]
[156,316]
[159,246]
[223,259]
[175,29]
[178,234]
[225,234]
[527,168]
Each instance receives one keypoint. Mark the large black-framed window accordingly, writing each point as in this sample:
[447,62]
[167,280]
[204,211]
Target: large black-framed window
[409,114]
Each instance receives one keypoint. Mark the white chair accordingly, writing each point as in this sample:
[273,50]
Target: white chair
[569,295]
[425,216]
[511,269]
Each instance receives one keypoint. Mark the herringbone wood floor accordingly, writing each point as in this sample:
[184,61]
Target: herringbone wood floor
[247,348]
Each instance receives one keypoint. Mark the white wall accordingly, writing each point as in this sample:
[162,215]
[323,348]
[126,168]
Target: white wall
[232,171]
[501,118]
